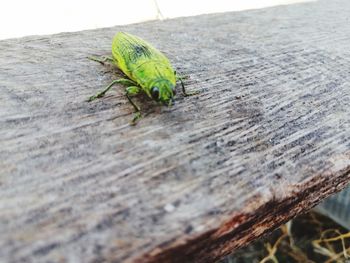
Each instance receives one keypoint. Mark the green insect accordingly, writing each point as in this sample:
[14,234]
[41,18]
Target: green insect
[147,69]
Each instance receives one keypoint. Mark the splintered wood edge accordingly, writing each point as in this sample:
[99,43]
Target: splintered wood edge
[244,228]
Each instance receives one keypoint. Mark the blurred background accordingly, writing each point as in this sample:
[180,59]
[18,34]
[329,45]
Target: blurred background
[37,17]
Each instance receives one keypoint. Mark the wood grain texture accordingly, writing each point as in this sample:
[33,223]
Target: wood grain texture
[267,138]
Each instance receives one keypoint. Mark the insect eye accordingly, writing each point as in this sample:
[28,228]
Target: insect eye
[155,93]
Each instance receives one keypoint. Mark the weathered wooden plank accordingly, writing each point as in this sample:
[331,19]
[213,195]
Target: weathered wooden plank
[267,138]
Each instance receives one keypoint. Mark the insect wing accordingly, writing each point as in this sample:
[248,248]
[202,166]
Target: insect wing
[130,51]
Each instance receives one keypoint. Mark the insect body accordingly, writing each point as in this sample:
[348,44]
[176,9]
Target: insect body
[147,69]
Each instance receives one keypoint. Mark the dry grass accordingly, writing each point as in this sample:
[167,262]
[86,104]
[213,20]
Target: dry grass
[307,238]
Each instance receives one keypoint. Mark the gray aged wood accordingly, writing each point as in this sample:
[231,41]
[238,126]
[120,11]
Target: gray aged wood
[267,138]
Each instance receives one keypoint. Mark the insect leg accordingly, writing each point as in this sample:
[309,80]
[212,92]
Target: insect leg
[102,59]
[133,90]
[103,92]
[181,78]
[186,94]
[130,91]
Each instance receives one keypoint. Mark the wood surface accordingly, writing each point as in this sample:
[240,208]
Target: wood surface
[267,138]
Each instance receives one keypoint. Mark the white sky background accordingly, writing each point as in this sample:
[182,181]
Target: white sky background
[36,17]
